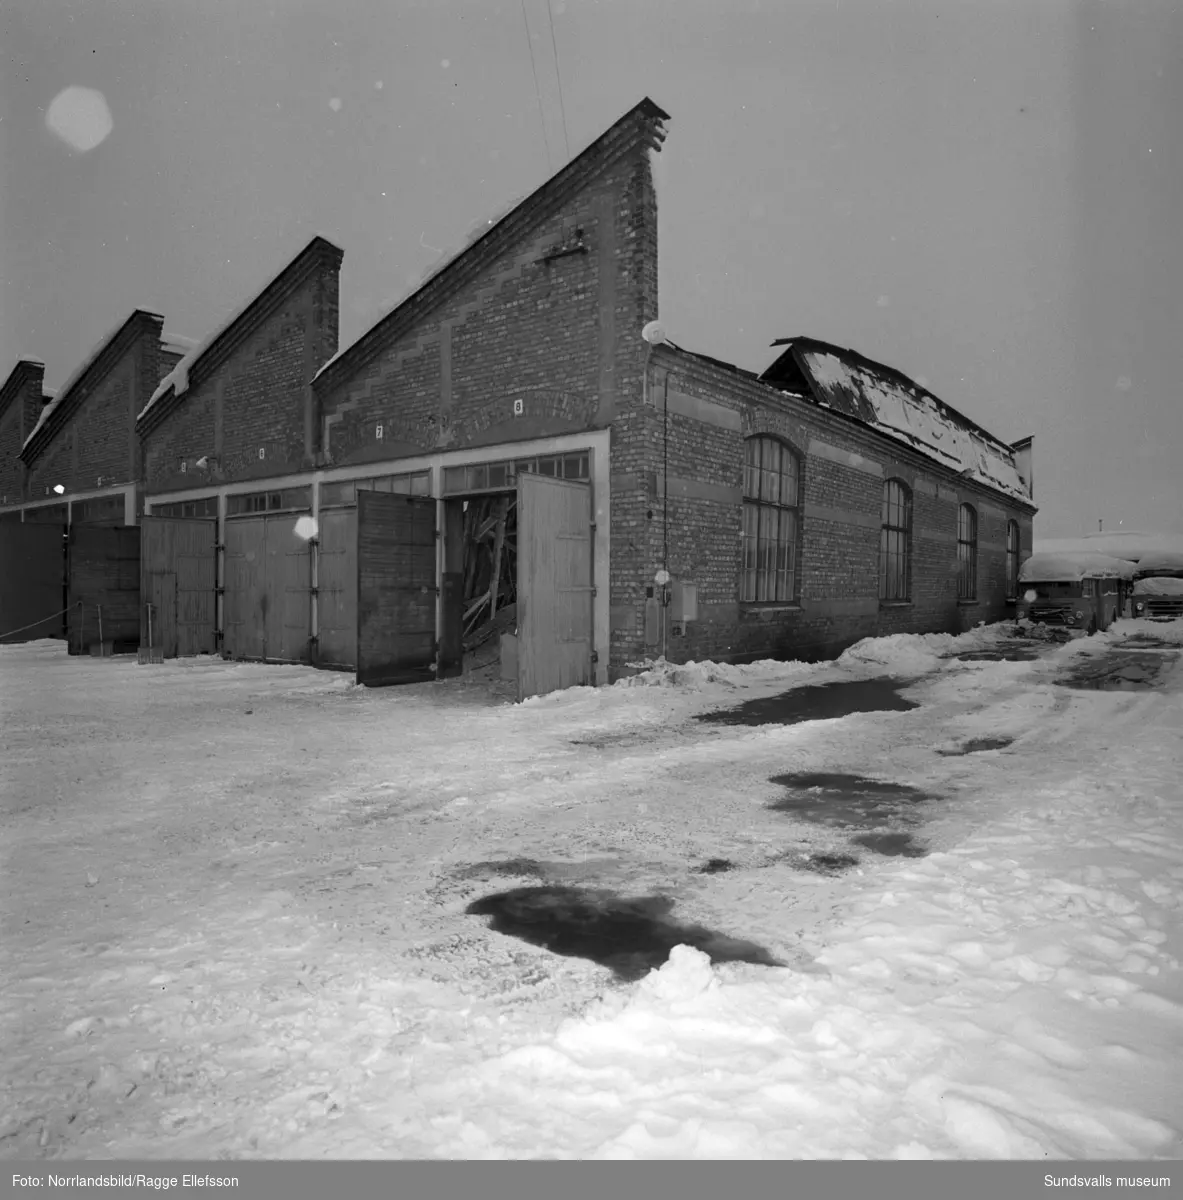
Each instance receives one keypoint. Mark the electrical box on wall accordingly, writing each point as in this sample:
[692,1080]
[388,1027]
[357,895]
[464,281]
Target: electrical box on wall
[683,601]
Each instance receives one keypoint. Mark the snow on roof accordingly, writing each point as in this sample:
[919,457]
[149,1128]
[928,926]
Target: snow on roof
[1165,562]
[1068,566]
[1132,545]
[59,394]
[912,415]
[177,343]
[445,259]
[1159,585]
[177,379]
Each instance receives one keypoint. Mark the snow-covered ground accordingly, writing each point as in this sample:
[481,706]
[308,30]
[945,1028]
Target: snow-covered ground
[233,903]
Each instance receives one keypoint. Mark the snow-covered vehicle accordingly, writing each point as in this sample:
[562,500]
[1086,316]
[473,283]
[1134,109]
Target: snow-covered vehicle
[1075,589]
[1158,586]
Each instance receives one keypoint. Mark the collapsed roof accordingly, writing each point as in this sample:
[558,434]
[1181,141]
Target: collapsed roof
[887,400]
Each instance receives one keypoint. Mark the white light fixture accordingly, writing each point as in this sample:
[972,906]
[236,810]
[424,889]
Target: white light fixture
[654,333]
[57,487]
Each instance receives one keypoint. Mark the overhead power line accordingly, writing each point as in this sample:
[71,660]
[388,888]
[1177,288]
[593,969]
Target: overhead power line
[558,75]
[537,89]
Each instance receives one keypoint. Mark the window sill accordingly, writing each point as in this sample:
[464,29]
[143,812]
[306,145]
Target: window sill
[968,603]
[754,607]
[895,603]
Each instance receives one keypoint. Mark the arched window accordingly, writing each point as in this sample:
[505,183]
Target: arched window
[895,542]
[967,553]
[1012,559]
[771,522]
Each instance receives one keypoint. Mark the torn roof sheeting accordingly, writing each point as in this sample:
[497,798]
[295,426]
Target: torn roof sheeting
[886,400]
[1068,567]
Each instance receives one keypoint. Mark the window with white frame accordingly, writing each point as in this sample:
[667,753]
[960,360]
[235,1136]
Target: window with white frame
[771,522]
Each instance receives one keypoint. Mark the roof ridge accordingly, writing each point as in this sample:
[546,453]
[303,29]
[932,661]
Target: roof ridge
[615,141]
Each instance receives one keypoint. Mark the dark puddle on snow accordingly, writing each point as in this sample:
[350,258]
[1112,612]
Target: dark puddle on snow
[816,702]
[630,936]
[828,864]
[713,866]
[1118,671]
[852,802]
[977,745]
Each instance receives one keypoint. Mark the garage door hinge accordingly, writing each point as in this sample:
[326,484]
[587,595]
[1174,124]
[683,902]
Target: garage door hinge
[219,591]
[219,545]
[595,657]
[312,591]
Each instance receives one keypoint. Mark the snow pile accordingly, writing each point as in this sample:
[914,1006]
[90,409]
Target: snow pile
[698,675]
[1167,633]
[918,418]
[1069,567]
[919,653]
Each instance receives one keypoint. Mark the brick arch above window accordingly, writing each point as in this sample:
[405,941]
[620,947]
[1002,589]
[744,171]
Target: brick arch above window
[771,521]
[967,552]
[895,542]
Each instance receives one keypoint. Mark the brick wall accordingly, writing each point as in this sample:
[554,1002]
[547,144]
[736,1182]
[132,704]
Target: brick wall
[843,470]
[545,325]
[257,400]
[20,406]
[96,447]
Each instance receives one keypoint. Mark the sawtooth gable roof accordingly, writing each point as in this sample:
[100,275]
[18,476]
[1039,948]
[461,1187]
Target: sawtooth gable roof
[641,125]
[26,370]
[204,357]
[107,353]
[887,400]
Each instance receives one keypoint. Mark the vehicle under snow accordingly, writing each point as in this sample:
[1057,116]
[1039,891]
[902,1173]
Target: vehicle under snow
[1078,589]
[1158,586]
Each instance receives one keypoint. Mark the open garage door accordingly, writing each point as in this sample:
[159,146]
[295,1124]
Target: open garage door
[267,593]
[32,578]
[178,577]
[554,584]
[103,570]
[396,588]
[336,588]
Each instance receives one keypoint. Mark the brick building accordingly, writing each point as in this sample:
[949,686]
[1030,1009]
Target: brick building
[511,402]
[72,456]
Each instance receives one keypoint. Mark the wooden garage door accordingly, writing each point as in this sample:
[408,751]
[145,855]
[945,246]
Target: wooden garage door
[396,588]
[103,570]
[336,588]
[178,566]
[267,597]
[32,581]
[554,584]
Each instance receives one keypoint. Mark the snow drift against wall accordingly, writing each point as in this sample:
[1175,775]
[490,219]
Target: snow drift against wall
[915,417]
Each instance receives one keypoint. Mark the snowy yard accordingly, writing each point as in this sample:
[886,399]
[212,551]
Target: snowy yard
[234,910]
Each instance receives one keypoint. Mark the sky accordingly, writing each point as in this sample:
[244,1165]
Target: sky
[979,194]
